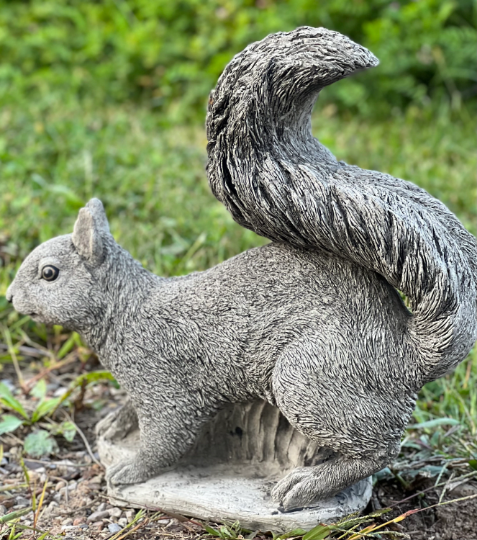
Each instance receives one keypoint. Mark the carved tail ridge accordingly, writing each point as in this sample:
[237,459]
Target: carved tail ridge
[276,179]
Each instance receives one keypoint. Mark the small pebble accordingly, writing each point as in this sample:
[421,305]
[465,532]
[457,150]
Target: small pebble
[130,515]
[114,528]
[122,521]
[101,507]
[97,479]
[60,391]
[34,477]
[60,485]
[78,521]
[115,512]
[3,510]
[67,521]
[98,515]
[98,525]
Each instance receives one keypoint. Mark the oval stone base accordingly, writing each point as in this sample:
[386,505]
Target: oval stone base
[231,470]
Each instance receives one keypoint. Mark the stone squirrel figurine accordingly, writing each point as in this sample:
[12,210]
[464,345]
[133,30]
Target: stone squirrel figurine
[312,322]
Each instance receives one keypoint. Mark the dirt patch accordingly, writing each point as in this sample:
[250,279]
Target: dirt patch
[455,521]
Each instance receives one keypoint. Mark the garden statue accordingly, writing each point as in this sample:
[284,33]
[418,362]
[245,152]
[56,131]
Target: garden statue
[297,357]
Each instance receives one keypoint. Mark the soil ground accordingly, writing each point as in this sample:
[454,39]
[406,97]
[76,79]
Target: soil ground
[456,521]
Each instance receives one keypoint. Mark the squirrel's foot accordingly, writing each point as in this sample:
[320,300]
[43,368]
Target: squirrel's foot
[301,487]
[129,471]
[118,424]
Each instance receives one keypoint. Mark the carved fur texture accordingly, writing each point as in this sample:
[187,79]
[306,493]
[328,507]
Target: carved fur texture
[312,322]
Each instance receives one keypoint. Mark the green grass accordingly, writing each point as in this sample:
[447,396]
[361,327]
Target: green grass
[55,156]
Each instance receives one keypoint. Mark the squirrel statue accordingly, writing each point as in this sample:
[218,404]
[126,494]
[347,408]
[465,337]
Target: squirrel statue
[313,322]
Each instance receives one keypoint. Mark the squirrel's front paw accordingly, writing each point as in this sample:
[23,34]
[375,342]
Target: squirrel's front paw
[105,427]
[128,471]
[117,424]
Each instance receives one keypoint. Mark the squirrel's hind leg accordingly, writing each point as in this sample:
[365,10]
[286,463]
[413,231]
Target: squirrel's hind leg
[306,485]
[316,388]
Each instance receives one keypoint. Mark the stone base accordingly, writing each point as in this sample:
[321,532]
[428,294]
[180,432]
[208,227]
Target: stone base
[219,481]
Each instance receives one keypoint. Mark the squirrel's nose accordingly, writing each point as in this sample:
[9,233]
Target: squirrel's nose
[9,295]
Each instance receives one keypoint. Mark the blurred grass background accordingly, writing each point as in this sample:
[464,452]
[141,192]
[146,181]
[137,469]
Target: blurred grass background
[107,98]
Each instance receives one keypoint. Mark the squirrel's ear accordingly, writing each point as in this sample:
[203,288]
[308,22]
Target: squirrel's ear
[89,232]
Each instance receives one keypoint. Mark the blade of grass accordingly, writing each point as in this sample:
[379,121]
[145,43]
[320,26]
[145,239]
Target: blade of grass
[14,515]
[40,504]
[7,400]
[137,517]
[8,340]
[320,532]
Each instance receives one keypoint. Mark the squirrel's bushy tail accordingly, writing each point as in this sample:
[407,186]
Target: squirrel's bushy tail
[276,179]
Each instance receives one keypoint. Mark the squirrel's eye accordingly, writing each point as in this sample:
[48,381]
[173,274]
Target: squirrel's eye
[50,273]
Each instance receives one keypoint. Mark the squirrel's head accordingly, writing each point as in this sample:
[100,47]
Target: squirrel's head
[58,282]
